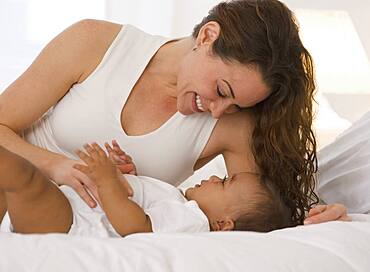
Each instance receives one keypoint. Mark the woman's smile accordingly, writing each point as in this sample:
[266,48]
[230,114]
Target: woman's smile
[199,103]
[196,103]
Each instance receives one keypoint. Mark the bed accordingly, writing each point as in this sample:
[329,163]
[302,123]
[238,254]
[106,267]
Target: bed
[332,246]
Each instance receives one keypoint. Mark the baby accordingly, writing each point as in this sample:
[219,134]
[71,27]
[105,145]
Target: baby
[244,201]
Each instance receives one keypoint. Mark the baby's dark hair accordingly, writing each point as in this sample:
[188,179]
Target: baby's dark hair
[265,210]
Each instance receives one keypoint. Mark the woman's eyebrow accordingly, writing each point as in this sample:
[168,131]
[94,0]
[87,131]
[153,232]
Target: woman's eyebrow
[231,89]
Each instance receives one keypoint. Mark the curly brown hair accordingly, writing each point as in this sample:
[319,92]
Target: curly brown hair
[264,34]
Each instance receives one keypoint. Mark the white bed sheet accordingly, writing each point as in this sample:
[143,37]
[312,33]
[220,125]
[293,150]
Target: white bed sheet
[333,246]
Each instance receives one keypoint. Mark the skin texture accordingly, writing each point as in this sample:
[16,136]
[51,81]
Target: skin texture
[320,213]
[35,205]
[3,207]
[169,83]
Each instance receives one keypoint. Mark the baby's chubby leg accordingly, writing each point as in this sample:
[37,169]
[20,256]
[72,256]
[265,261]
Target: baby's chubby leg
[35,205]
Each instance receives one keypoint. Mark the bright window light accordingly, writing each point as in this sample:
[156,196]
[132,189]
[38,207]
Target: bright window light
[340,59]
[341,64]
[47,18]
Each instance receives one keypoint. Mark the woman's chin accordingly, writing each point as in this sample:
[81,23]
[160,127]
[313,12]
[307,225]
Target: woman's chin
[185,111]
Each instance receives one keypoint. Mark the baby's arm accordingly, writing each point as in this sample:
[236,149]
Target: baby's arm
[124,214]
[122,160]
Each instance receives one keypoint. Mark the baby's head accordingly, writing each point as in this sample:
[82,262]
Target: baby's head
[244,202]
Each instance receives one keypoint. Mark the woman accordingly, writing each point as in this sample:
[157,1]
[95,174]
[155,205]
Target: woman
[182,101]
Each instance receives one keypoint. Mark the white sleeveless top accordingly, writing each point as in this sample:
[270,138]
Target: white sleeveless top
[91,111]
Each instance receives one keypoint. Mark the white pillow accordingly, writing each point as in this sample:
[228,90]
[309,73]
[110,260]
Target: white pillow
[344,168]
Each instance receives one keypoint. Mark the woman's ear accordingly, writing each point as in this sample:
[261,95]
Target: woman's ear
[208,33]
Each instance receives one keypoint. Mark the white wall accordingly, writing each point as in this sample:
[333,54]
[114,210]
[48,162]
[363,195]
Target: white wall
[27,25]
[177,17]
[359,10]
[152,16]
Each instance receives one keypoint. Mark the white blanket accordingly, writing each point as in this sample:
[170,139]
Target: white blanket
[333,246]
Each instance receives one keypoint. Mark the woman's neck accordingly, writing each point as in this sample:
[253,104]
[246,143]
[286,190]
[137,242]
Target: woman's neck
[166,62]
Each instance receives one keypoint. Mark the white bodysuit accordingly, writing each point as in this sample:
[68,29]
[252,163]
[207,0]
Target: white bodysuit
[168,209]
[91,112]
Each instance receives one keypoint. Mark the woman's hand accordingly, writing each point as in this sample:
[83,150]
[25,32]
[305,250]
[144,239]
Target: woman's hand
[122,160]
[63,173]
[325,213]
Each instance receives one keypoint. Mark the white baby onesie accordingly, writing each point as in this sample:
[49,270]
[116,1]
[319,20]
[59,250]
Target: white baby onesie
[165,204]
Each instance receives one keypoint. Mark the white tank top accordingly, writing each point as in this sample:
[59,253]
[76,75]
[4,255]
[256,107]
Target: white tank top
[91,111]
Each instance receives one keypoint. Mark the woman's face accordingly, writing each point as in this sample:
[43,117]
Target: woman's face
[206,83]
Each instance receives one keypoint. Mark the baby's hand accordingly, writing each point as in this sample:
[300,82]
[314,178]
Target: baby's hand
[100,168]
[120,158]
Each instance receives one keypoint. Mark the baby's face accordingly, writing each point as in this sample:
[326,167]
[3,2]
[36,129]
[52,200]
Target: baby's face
[214,195]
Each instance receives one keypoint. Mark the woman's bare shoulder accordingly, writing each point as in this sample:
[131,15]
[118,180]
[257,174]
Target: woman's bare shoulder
[95,23]
[97,36]
[94,33]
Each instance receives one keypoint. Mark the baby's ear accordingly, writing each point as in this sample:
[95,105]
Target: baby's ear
[223,225]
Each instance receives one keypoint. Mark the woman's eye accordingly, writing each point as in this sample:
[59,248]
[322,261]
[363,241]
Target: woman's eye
[220,94]
[233,108]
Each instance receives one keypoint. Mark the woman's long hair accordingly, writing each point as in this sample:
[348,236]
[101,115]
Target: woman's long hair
[263,34]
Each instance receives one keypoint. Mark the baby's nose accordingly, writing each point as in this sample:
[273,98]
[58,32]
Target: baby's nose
[214,179]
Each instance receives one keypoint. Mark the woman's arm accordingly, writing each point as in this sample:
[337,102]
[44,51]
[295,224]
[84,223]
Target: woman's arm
[46,81]
[68,59]
[125,215]
[325,213]
[233,139]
